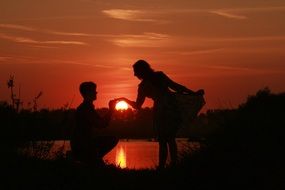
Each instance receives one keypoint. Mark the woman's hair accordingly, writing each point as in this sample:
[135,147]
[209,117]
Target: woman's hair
[142,66]
[87,87]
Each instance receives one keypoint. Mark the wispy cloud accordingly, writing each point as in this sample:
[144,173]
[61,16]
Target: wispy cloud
[20,39]
[223,70]
[39,44]
[240,39]
[44,46]
[228,14]
[232,68]
[53,18]
[4,58]
[125,40]
[151,15]
[47,31]
[17,38]
[224,41]
[130,15]
[17,27]
[257,9]
[236,13]
[17,59]
[63,42]
[67,33]
[196,52]
[37,60]
[143,40]
[82,63]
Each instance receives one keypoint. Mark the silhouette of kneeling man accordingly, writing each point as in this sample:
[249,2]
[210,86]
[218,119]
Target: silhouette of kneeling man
[88,144]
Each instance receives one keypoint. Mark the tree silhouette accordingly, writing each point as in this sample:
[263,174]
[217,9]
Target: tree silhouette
[35,106]
[11,85]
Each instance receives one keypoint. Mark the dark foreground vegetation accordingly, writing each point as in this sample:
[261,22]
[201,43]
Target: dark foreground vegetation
[242,149]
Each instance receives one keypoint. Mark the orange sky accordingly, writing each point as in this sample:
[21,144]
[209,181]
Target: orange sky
[230,48]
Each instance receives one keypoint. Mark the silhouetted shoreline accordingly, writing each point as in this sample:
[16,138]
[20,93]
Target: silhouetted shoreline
[243,148]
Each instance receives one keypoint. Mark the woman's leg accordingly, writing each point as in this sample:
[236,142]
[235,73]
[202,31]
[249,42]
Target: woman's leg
[162,153]
[173,151]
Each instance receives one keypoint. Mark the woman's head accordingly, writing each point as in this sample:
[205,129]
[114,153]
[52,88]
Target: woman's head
[142,69]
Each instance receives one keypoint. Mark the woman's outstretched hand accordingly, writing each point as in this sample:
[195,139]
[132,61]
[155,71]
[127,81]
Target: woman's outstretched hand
[200,92]
[131,103]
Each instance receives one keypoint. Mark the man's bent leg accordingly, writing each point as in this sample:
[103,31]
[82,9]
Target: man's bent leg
[105,144]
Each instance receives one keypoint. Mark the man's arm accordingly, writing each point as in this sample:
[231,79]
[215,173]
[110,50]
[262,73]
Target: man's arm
[104,121]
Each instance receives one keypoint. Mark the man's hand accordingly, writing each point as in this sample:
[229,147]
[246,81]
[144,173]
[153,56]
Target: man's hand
[112,104]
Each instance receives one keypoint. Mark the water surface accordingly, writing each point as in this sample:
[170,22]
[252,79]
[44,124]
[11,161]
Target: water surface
[131,153]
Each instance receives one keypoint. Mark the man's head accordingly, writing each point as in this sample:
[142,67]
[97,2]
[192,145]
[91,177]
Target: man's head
[88,90]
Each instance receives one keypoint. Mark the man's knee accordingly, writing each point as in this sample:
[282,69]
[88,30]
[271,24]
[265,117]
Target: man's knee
[115,141]
[112,141]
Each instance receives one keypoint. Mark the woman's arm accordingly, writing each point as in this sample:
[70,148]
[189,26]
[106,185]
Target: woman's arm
[135,104]
[139,101]
[177,87]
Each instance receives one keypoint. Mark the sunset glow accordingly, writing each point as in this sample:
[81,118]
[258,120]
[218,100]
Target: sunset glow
[121,105]
[231,48]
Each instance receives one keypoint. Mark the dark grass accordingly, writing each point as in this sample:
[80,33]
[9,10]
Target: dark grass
[62,174]
[201,171]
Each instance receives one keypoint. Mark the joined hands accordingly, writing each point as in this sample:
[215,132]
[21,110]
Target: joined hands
[112,103]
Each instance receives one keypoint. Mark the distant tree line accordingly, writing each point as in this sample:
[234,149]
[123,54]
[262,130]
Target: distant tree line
[59,123]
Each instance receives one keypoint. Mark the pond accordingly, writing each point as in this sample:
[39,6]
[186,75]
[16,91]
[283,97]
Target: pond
[129,153]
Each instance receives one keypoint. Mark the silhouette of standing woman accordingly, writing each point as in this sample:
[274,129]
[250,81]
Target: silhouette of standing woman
[156,85]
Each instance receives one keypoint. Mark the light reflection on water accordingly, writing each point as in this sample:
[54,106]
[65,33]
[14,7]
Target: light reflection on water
[133,154]
[121,160]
